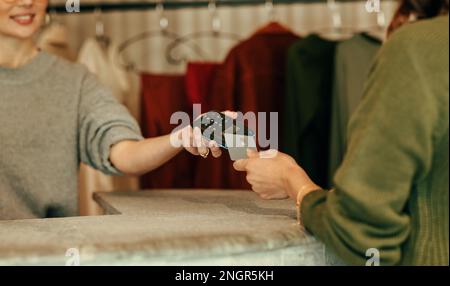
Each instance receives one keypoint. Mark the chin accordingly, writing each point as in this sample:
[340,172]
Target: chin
[25,34]
[22,33]
[19,35]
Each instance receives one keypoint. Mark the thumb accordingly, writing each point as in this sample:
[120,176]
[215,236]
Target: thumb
[240,165]
[252,153]
[268,154]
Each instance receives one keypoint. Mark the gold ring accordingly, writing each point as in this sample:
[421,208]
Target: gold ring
[205,155]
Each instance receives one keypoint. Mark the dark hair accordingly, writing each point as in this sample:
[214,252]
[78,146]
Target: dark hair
[421,9]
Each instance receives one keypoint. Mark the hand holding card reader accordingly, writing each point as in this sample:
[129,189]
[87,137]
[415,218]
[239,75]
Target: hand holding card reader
[227,132]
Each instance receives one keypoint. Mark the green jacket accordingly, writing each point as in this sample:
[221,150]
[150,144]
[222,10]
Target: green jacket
[307,105]
[391,191]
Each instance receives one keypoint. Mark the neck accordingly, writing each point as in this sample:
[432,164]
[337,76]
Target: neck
[16,52]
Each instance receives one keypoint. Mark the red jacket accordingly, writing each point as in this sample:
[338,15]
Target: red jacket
[252,78]
[163,95]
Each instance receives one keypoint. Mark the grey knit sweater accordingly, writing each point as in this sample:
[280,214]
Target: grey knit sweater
[53,115]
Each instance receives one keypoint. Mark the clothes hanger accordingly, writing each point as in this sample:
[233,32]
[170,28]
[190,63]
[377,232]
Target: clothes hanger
[100,36]
[161,32]
[273,25]
[337,31]
[215,32]
[380,31]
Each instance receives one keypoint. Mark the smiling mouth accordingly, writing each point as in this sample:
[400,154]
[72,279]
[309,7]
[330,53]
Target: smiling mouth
[25,19]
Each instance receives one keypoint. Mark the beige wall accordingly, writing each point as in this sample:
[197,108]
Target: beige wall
[302,18]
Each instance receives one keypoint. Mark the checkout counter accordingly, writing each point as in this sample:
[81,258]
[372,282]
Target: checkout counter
[168,227]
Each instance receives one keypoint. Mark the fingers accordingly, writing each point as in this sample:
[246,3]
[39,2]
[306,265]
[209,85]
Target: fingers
[240,165]
[215,149]
[199,142]
[187,139]
[269,193]
[268,154]
[186,136]
[273,196]
[196,144]
[252,153]
[268,196]
[231,114]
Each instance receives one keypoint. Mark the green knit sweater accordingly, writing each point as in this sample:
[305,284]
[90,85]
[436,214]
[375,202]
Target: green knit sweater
[391,191]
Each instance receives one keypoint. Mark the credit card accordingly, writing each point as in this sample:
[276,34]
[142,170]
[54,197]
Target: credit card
[238,144]
[214,125]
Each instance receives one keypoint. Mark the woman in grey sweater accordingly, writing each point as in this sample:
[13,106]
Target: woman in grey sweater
[55,114]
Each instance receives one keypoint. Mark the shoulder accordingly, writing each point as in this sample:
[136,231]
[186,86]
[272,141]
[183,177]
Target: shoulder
[64,70]
[411,74]
[75,78]
[428,29]
[422,37]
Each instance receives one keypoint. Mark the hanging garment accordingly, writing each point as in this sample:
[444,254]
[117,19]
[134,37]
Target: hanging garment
[210,173]
[353,60]
[252,78]
[253,75]
[308,105]
[162,95]
[54,40]
[199,76]
[103,63]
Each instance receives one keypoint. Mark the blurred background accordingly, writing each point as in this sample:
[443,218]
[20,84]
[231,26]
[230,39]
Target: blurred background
[291,57]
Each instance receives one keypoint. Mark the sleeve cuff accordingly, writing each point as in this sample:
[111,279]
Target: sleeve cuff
[311,205]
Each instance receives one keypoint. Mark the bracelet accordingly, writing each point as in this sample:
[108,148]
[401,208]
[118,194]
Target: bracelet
[300,196]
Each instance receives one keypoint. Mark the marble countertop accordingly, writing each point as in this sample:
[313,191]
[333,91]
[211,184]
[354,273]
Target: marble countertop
[167,227]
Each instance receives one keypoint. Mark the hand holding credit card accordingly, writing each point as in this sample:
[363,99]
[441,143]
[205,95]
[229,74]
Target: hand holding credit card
[229,133]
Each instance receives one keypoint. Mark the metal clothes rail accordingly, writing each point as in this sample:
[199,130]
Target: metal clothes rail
[171,4]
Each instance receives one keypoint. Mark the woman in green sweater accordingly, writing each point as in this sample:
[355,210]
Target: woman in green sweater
[390,195]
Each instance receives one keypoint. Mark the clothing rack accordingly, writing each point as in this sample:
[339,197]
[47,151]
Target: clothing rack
[171,5]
